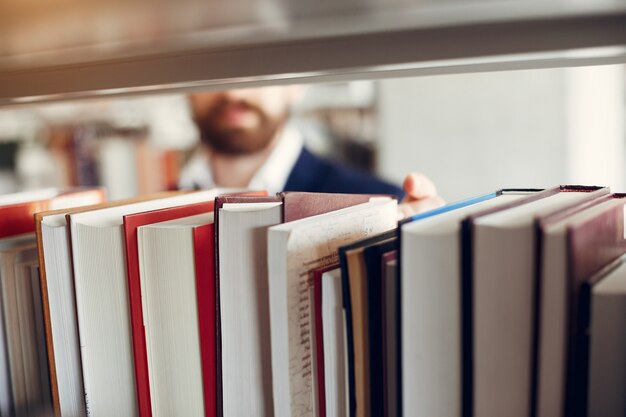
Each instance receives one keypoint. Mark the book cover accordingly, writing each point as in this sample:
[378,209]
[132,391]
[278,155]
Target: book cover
[401,292]
[17,218]
[373,257]
[204,256]
[219,203]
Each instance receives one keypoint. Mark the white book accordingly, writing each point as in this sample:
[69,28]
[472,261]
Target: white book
[335,360]
[101,286]
[62,310]
[244,307]
[170,313]
[294,250]
[554,311]
[503,305]
[431,310]
[607,355]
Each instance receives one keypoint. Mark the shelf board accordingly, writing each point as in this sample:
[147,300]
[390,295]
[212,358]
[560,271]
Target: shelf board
[309,46]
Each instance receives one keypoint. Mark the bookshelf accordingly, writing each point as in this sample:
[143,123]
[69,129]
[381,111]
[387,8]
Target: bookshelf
[108,48]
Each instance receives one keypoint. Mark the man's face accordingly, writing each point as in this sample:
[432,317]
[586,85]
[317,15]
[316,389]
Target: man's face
[240,122]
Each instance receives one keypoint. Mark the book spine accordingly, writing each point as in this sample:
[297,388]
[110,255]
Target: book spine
[204,255]
[54,388]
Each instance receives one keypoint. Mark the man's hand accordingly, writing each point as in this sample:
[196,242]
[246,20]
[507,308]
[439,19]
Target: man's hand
[421,196]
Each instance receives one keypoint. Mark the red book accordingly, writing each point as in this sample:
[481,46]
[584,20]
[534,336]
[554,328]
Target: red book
[204,256]
[17,218]
[131,223]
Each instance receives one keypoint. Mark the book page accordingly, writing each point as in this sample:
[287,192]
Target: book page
[312,246]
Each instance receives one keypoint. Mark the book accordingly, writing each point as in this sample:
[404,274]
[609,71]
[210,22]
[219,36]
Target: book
[607,362]
[431,307]
[8,247]
[16,213]
[102,304]
[391,360]
[36,387]
[294,250]
[40,335]
[59,313]
[503,299]
[334,344]
[326,337]
[241,266]
[177,289]
[23,390]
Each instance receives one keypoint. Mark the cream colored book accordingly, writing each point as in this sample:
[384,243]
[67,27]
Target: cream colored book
[295,249]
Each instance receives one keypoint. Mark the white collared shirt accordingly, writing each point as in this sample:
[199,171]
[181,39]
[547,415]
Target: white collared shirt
[272,176]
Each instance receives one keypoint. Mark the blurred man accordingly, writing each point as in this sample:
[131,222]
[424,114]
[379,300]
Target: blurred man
[248,142]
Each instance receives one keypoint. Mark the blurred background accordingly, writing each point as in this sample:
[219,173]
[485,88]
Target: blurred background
[470,133]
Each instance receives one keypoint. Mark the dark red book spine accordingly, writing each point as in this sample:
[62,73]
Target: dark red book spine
[319,341]
[204,255]
[17,219]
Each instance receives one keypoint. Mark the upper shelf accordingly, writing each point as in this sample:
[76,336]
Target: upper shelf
[84,48]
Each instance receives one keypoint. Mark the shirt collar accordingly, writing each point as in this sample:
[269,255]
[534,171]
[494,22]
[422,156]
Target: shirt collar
[272,176]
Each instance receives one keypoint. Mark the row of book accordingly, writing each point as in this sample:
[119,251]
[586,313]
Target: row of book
[233,302]
[121,160]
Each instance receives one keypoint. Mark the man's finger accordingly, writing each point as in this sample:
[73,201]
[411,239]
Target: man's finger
[418,186]
[410,208]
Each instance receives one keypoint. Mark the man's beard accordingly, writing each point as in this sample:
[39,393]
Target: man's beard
[237,141]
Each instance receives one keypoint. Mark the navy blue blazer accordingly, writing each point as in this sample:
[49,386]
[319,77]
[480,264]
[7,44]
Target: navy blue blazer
[314,174]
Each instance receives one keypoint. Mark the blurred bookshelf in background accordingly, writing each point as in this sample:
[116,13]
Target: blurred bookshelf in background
[135,146]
